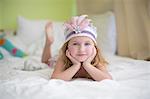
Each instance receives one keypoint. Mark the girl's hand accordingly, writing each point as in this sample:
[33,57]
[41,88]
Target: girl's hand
[48,30]
[73,60]
[89,59]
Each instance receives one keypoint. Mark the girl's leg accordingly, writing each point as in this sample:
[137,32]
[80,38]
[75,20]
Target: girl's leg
[49,40]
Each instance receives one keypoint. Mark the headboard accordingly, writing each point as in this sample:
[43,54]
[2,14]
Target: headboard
[94,6]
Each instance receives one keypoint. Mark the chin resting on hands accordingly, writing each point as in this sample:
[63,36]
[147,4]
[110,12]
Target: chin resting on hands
[89,59]
[73,60]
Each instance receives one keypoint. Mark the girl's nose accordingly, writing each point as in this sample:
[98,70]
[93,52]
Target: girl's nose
[82,48]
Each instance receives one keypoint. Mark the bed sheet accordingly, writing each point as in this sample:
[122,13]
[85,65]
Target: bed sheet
[131,80]
[28,78]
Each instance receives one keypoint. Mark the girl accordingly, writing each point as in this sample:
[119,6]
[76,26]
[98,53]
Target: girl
[79,57]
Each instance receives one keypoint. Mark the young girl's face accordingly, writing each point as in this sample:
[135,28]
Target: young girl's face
[81,48]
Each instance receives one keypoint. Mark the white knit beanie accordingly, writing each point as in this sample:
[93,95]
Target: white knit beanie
[80,26]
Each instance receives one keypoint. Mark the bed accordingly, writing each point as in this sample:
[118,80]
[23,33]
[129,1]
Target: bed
[28,78]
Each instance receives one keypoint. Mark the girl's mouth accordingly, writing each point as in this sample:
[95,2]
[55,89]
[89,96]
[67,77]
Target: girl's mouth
[81,54]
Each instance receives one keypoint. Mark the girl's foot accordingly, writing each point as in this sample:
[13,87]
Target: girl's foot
[48,30]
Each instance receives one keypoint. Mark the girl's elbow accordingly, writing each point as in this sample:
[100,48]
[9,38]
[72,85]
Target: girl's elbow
[108,77]
[54,76]
[59,77]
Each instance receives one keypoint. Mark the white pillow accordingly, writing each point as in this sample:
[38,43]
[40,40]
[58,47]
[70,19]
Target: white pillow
[106,30]
[36,48]
[30,30]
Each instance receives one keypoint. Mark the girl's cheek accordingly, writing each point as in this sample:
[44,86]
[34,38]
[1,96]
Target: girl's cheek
[71,49]
[90,50]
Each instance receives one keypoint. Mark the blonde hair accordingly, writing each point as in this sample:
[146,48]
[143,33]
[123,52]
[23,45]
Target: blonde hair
[97,61]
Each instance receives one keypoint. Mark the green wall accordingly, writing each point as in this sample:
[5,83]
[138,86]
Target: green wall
[57,10]
[0,14]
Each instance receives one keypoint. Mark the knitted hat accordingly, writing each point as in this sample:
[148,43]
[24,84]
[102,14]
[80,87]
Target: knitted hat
[80,26]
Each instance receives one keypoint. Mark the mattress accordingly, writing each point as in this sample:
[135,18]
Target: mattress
[131,80]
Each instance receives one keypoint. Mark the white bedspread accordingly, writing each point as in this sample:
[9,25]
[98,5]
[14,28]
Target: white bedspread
[131,81]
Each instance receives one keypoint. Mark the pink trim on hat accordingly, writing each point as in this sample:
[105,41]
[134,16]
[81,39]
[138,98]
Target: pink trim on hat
[80,26]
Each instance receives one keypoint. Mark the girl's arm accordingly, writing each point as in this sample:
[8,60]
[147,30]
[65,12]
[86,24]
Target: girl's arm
[61,73]
[97,73]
